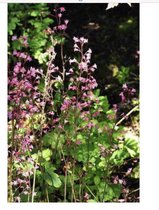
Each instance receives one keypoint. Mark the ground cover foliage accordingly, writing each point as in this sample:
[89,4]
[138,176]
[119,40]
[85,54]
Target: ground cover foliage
[73,103]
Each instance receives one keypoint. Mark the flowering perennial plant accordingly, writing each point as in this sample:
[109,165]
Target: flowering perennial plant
[63,138]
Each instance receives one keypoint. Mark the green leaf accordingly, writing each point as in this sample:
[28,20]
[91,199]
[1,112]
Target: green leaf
[103,102]
[112,191]
[56,180]
[41,86]
[34,13]
[136,173]
[97,92]
[116,190]
[118,156]
[48,179]
[46,154]
[132,147]
[34,156]
[131,152]
[48,138]
[48,21]
[96,180]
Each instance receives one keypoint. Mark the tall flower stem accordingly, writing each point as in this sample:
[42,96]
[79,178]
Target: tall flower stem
[34,178]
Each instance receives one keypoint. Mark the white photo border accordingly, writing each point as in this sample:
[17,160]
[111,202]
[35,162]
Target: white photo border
[149,86]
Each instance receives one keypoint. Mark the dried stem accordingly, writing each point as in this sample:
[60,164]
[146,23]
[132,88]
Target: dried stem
[132,110]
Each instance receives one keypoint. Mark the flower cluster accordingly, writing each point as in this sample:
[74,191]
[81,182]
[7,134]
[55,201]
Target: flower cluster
[22,55]
[81,80]
[126,93]
[23,101]
[22,90]
[61,25]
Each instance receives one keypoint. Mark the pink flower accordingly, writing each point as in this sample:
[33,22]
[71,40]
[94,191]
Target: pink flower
[69,72]
[125,87]
[83,66]
[72,88]
[14,37]
[115,107]
[23,70]
[90,125]
[96,114]
[62,9]
[14,81]
[28,85]
[16,69]
[62,27]
[14,183]
[25,42]
[66,104]
[76,48]
[86,119]
[78,142]
[51,113]
[66,21]
[92,68]
[53,69]
[33,71]
[56,120]
[133,91]
[42,103]
[29,58]
[59,15]
[85,104]
[82,79]
[14,52]
[79,106]
[84,88]
[83,40]
[23,55]
[60,126]
[76,39]
[122,97]
[10,115]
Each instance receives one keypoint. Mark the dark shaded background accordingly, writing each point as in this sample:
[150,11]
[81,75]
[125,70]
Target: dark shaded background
[114,39]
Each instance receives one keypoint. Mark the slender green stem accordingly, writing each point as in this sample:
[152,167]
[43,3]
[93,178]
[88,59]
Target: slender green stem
[79,192]
[65,179]
[47,194]
[73,191]
[34,178]
[65,186]
[91,192]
